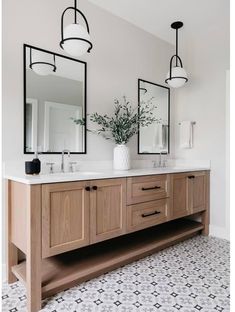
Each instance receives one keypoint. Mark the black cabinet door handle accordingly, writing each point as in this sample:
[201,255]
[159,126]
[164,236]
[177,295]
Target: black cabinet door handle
[144,215]
[150,188]
[94,188]
[87,188]
[191,177]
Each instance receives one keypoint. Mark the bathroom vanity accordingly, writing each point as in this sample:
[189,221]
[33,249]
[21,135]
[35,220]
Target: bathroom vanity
[71,228]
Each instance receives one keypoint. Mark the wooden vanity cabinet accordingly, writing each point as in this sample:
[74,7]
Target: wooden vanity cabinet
[180,195]
[107,209]
[77,214]
[198,191]
[189,193]
[54,224]
[65,217]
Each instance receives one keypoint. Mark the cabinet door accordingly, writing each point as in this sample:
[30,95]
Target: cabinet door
[180,196]
[65,217]
[197,191]
[108,209]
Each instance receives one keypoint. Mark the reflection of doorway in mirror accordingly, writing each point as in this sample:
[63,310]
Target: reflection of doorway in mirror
[31,120]
[60,131]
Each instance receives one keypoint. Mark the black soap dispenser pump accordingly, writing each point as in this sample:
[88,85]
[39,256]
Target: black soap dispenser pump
[37,163]
[34,166]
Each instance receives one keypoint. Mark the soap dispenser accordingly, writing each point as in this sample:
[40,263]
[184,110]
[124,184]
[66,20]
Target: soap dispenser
[34,166]
[37,164]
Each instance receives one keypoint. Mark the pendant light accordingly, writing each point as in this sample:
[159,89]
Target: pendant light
[75,38]
[177,76]
[42,63]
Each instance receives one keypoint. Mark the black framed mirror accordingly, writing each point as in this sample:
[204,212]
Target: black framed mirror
[55,95]
[155,138]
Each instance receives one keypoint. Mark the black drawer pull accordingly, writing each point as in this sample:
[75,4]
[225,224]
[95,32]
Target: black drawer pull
[94,188]
[150,188]
[144,215]
[87,188]
[191,177]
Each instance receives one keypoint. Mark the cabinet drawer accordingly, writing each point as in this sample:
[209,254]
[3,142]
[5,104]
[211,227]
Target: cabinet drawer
[143,189]
[144,215]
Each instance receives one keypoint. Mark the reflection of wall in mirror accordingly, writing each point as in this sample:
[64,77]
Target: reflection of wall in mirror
[154,138]
[56,89]
[31,124]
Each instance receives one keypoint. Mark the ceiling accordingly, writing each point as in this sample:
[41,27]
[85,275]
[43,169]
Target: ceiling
[155,16]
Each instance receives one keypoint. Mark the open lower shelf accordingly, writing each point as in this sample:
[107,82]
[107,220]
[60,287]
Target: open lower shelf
[66,270]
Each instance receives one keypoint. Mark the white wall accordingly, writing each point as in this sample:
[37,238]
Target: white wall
[227,185]
[203,99]
[122,53]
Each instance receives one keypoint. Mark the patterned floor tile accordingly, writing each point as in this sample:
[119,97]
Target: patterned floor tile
[189,277]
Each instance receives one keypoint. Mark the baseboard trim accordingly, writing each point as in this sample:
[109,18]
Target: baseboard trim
[219,232]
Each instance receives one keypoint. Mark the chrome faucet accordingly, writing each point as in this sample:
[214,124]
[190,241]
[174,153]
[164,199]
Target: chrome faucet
[62,160]
[161,163]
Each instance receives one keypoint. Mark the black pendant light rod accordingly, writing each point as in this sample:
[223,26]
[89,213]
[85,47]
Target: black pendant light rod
[54,64]
[176,25]
[75,11]
[176,44]
[30,57]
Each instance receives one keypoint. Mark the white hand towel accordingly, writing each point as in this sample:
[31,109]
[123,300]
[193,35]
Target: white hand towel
[164,135]
[186,134]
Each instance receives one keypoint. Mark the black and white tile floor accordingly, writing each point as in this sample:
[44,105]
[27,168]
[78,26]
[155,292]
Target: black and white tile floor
[189,277]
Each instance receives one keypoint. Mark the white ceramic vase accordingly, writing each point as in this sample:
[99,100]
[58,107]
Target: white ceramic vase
[121,157]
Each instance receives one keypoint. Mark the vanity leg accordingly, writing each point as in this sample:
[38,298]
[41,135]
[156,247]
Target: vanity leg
[34,255]
[12,259]
[12,251]
[205,222]
[206,213]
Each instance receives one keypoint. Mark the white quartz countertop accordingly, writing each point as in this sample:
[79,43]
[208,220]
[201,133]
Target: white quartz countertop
[95,175]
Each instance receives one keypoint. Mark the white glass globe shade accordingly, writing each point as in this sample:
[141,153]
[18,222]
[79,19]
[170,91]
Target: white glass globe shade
[42,57]
[76,47]
[42,69]
[177,72]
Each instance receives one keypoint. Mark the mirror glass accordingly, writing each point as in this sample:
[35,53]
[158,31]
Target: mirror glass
[54,102]
[155,138]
